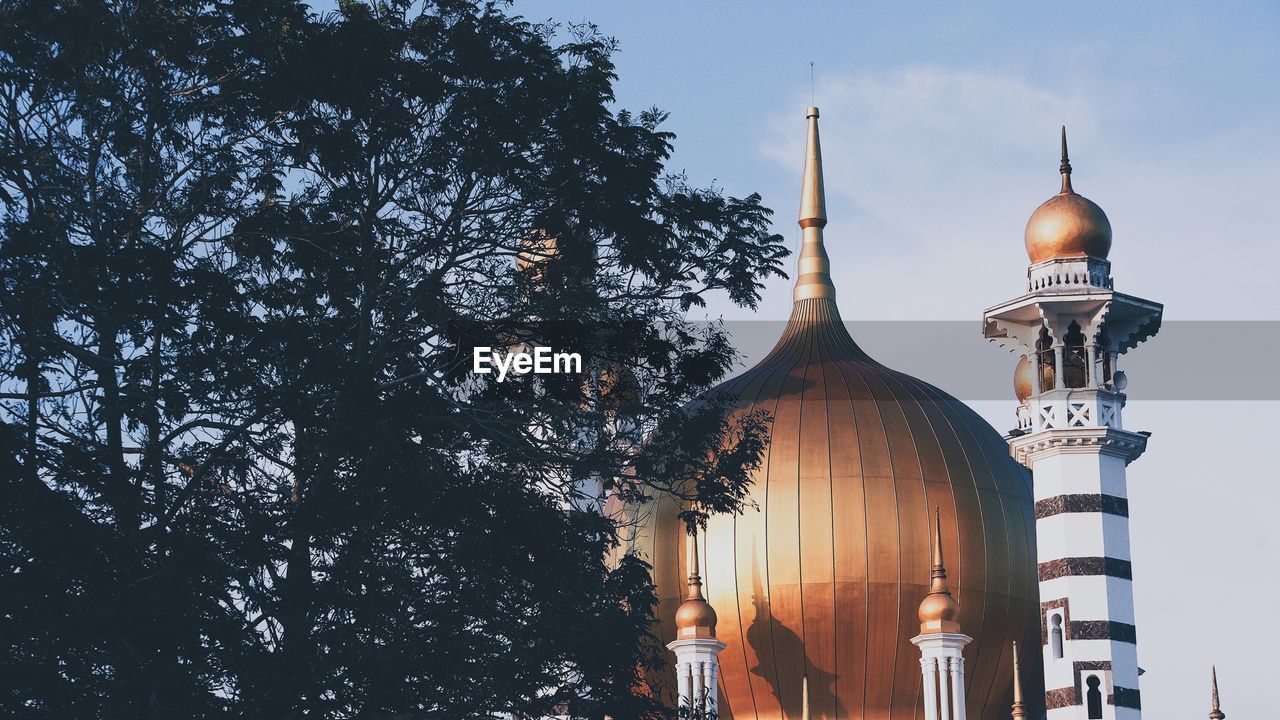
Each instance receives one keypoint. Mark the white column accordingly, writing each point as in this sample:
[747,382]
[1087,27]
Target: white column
[944,694]
[1058,381]
[929,670]
[684,679]
[708,685]
[713,687]
[957,688]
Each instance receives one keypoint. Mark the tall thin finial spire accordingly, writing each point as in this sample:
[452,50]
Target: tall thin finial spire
[813,279]
[1065,166]
[1019,710]
[1216,713]
[939,612]
[695,571]
[938,575]
[804,697]
[695,618]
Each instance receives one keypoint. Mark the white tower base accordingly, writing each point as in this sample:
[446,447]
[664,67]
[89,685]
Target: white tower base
[698,672]
[942,666]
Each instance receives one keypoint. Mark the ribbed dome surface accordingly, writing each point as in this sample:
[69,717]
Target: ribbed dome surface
[826,575]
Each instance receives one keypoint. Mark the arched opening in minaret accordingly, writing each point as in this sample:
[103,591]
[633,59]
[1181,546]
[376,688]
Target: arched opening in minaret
[1093,698]
[1075,360]
[1044,360]
[1055,635]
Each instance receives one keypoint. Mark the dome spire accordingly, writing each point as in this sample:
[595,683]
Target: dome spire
[939,612]
[1216,713]
[1019,710]
[938,576]
[695,571]
[1065,166]
[804,697]
[695,618]
[813,277]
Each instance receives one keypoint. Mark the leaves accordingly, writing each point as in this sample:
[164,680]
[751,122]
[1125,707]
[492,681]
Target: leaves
[247,251]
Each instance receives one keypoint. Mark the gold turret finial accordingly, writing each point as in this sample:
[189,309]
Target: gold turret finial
[813,277]
[695,571]
[1065,166]
[804,697]
[938,575]
[939,612]
[695,618]
[1216,713]
[1019,710]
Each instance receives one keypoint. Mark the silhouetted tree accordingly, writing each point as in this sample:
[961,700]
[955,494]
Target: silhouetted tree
[247,251]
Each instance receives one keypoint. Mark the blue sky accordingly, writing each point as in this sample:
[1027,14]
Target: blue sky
[947,117]
[939,127]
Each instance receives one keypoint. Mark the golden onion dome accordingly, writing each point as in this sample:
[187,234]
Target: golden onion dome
[823,573]
[695,618]
[1024,378]
[1067,224]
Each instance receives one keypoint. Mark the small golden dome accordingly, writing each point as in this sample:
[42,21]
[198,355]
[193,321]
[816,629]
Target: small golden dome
[1024,377]
[939,608]
[695,619]
[1067,224]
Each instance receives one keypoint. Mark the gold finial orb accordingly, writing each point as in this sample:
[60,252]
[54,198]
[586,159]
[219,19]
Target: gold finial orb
[939,611]
[1024,377]
[695,619]
[1067,224]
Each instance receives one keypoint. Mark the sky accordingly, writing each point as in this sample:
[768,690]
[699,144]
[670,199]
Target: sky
[940,136]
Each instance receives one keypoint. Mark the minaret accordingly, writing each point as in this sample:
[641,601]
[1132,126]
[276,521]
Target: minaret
[1071,326]
[1216,713]
[941,643]
[696,647]
[1019,710]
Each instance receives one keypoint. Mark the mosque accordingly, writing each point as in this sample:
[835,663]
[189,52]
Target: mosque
[906,560]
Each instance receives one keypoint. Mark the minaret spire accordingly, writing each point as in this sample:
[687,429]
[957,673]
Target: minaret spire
[1065,166]
[813,278]
[938,575]
[695,571]
[804,697]
[1216,713]
[1019,710]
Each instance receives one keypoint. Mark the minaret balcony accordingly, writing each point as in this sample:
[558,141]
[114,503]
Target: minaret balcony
[1069,273]
[1071,408]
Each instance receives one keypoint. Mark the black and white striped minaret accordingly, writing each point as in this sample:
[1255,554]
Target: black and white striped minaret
[1071,327]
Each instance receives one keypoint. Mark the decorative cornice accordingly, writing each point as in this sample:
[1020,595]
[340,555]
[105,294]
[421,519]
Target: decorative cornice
[1026,449]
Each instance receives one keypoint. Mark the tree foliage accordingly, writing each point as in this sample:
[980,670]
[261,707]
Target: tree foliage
[247,252]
